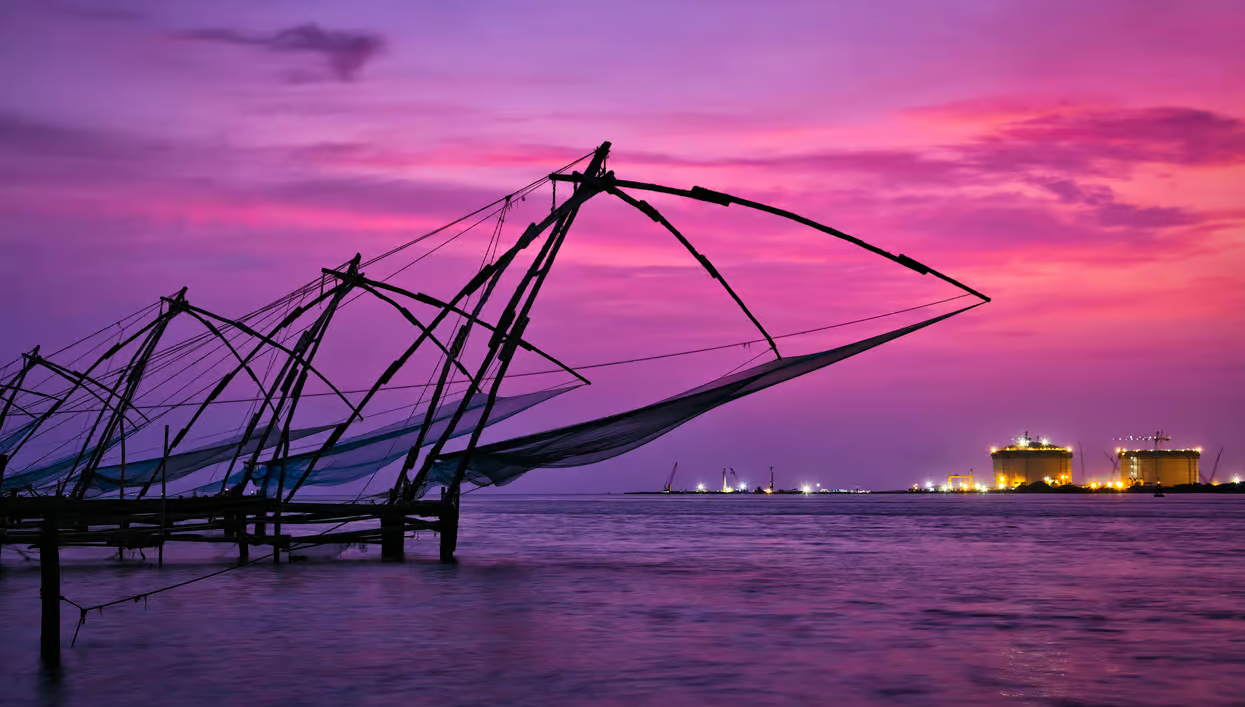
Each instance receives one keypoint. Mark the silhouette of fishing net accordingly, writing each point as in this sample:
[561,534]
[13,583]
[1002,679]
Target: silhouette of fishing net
[7,442]
[356,457]
[138,473]
[597,440]
[47,474]
[349,460]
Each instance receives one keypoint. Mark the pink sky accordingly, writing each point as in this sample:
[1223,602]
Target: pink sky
[1082,163]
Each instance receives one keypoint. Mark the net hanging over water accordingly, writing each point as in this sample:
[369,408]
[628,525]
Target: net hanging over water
[604,438]
[356,457]
[48,474]
[138,473]
[11,440]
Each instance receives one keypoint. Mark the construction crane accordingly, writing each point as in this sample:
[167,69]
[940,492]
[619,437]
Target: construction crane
[670,481]
[1158,438]
[1215,469]
[1115,463]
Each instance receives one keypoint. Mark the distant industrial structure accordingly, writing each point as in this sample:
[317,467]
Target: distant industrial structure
[1028,460]
[1158,466]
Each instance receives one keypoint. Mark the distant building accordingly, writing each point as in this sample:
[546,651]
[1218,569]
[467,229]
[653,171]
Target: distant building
[1028,460]
[1169,467]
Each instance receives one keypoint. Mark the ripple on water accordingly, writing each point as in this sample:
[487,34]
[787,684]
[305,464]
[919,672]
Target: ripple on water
[863,600]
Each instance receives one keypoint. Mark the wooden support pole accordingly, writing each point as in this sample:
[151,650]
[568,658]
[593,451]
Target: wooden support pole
[392,534]
[50,593]
[244,548]
[449,525]
[121,485]
[4,521]
[284,447]
[164,499]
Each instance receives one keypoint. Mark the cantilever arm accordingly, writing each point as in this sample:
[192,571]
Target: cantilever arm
[21,409]
[80,378]
[374,288]
[406,314]
[242,362]
[486,273]
[714,197]
[434,302]
[80,382]
[652,213]
[269,340]
[18,389]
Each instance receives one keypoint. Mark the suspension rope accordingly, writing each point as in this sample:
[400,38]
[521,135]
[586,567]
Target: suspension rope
[606,364]
[143,596]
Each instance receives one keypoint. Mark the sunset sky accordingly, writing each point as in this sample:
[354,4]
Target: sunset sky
[1083,163]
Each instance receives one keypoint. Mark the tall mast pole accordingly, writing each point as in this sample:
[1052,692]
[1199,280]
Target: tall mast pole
[503,348]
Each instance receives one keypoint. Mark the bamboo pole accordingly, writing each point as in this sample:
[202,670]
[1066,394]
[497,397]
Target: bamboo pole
[122,480]
[50,593]
[164,499]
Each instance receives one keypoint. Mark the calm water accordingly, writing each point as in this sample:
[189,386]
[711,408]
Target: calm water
[864,600]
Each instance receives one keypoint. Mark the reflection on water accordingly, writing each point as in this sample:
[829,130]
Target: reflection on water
[610,600]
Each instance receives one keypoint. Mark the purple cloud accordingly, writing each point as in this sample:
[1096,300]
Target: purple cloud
[1095,142]
[1099,143]
[1104,209]
[1072,192]
[346,52]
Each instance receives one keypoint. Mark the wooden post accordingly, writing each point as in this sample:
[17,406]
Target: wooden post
[164,487]
[276,513]
[50,593]
[122,480]
[392,532]
[244,548]
[449,525]
[4,521]
[261,528]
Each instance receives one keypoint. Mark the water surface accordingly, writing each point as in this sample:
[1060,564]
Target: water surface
[642,600]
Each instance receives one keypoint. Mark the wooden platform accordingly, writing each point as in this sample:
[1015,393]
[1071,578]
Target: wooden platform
[147,523]
[48,523]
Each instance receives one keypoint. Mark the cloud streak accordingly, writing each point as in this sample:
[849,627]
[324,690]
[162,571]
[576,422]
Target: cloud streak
[345,53]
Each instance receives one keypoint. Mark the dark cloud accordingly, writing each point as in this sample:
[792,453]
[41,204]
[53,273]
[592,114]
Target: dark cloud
[1072,192]
[345,52]
[1108,141]
[19,134]
[1131,216]
[1056,153]
[50,162]
[1105,210]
